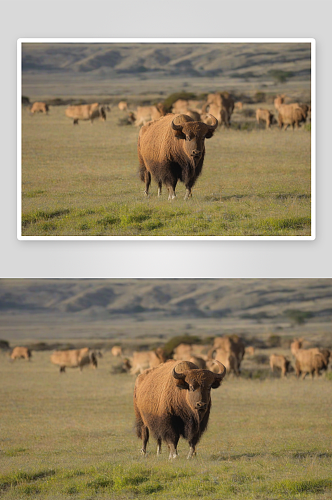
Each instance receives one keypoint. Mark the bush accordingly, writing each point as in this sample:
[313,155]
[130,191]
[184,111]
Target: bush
[274,341]
[298,317]
[260,96]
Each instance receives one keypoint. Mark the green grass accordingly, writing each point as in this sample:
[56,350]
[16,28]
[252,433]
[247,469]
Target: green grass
[83,180]
[72,436]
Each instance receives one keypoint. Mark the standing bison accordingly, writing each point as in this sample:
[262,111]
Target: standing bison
[39,107]
[265,116]
[174,400]
[86,112]
[20,353]
[74,358]
[171,149]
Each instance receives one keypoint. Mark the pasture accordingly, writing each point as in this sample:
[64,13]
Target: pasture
[72,436]
[83,181]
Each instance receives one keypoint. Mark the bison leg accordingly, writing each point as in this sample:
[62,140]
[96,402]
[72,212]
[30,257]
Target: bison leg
[173,453]
[147,178]
[145,439]
[171,192]
[159,446]
[188,193]
[159,188]
[62,369]
[75,121]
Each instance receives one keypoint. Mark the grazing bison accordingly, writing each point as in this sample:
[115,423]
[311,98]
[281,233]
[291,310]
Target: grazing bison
[142,360]
[279,361]
[74,358]
[229,348]
[146,114]
[86,112]
[228,359]
[20,353]
[292,114]
[174,400]
[171,149]
[39,107]
[298,344]
[265,116]
[116,351]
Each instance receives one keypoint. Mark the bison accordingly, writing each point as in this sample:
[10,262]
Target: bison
[265,116]
[146,114]
[74,358]
[142,360]
[116,351]
[230,349]
[278,101]
[123,106]
[86,112]
[20,353]
[39,107]
[309,360]
[292,114]
[171,149]
[184,351]
[174,400]
[223,104]
[279,361]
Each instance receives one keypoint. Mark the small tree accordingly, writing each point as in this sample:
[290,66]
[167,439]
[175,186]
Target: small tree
[298,317]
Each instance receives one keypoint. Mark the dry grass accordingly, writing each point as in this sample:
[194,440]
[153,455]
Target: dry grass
[72,436]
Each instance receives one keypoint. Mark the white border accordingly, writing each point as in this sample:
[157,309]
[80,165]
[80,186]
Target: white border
[312,41]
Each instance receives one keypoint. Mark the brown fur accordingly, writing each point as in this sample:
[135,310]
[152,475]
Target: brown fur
[250,350]
[20,353]
[74,358]
[146,114]
[198,361]
[142,360]
[238,105]
[222,104]
[231,349]
[169,408]
[265,116]
[116,351]
[279,361]
[39,107]
[278,101]
[123,106]
[292,114]
[185,351]
[86,112]
[167,155]
[310,361]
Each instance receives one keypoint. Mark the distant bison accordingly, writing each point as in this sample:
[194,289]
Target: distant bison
[278,101]
[292,114]
[116,351]
[141,360]
[146,114]
[221,103]
[39,107]
[20,353]
[171,149]
[123,106]
[238,105]
[74,358]
[265,116]
[86,112]
[279,361]
[174,400]
[310,361]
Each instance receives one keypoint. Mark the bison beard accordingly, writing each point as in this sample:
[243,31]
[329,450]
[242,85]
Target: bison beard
[172,149]
[169,404]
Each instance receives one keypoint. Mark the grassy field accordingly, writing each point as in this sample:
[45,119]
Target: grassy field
[71,436]
[83,181]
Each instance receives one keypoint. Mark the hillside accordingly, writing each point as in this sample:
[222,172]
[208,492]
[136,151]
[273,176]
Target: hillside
[195,59]
[166,298]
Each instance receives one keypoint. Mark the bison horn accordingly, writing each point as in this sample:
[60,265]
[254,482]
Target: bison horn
[178,376]
[176,127]
[213,122]
[220,376]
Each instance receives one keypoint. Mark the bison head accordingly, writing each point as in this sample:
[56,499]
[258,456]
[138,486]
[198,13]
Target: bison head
[193,133]
[198,384]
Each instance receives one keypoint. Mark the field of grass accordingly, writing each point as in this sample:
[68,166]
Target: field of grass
[82,181]
[71,436]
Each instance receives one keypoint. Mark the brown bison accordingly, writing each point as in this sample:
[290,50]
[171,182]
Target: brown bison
[265,116]
[116,351]
[174,400]
[309,360]
[74,358]
[250,350]
[222,102]
[86,112]
[279,361]
[238,105]
[39,107]
[292,114]
[20,353]
[184,351]
[228,359]
[198,361]
[278,101]
[171,149]
[231,349]
[123,106]
[141,360]
[146,114]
